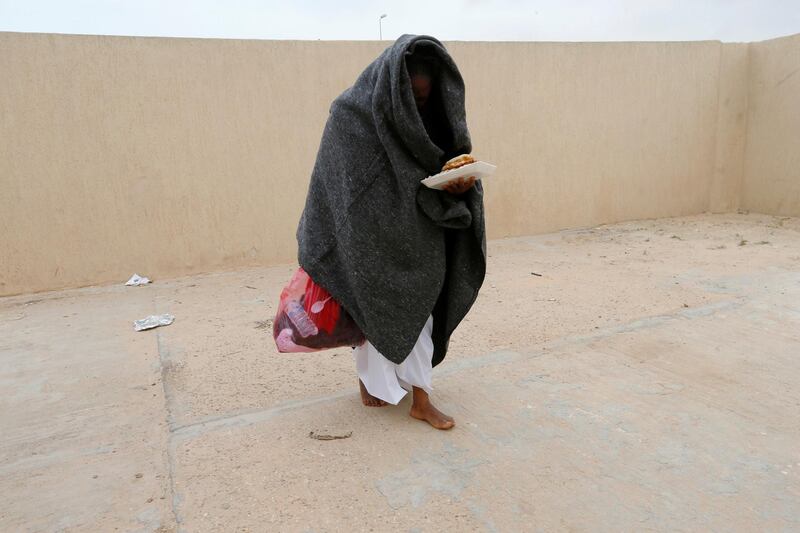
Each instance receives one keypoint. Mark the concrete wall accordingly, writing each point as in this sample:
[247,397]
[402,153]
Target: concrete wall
[587,133]
[160,156]
[175,156]
[728,175]
[772,157]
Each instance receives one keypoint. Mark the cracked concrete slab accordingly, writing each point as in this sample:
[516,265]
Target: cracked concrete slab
[645,381]
[84,431]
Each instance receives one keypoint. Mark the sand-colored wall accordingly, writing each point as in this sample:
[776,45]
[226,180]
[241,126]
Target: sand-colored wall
[154,155]
[173,156]
[726,180]
[588,133]
[772,157]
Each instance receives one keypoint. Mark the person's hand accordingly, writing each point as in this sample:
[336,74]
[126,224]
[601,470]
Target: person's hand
[460,186]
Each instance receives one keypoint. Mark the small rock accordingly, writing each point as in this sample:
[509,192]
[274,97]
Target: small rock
[139,475]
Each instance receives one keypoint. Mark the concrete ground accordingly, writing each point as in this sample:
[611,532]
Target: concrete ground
[647,380]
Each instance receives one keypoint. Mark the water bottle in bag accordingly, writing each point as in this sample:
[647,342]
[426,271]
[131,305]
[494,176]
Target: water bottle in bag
[300,319]
[309,319]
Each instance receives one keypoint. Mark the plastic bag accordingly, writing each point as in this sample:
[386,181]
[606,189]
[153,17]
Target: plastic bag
[309,319]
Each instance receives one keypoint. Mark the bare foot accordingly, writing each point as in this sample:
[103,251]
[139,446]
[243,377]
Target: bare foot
[423,409]
[367,398]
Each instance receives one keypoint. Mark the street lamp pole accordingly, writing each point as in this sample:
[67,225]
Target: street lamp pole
[380,27]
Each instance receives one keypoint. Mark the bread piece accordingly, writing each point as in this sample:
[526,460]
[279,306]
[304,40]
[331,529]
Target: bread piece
[458,161]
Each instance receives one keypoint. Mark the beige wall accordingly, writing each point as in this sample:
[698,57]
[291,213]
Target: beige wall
[159,156]
[772,160]
[587,133]
[174,156]
[726,180]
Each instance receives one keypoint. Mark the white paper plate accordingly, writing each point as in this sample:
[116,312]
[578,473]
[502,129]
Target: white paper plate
[478,169]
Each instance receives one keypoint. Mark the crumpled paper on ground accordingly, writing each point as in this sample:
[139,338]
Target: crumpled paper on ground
[137,280]
[153,321]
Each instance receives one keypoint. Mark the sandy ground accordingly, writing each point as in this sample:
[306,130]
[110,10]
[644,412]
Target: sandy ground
[646,380]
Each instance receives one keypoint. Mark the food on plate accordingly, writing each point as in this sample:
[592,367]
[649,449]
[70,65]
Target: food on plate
[458,161]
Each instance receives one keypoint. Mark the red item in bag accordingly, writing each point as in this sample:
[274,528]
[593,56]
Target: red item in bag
[309,319]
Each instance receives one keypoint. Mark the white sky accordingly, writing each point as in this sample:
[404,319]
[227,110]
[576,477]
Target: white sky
[469,20]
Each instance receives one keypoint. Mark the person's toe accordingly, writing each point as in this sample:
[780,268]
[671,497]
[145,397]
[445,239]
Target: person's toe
[445,424]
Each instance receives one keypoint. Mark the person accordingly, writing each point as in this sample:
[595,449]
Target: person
[404,260]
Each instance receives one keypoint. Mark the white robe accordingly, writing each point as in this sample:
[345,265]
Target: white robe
[389,381]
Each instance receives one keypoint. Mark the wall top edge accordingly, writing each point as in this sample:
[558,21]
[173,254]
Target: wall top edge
[365,41]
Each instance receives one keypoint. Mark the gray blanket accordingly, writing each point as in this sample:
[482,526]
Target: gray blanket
[389,249]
